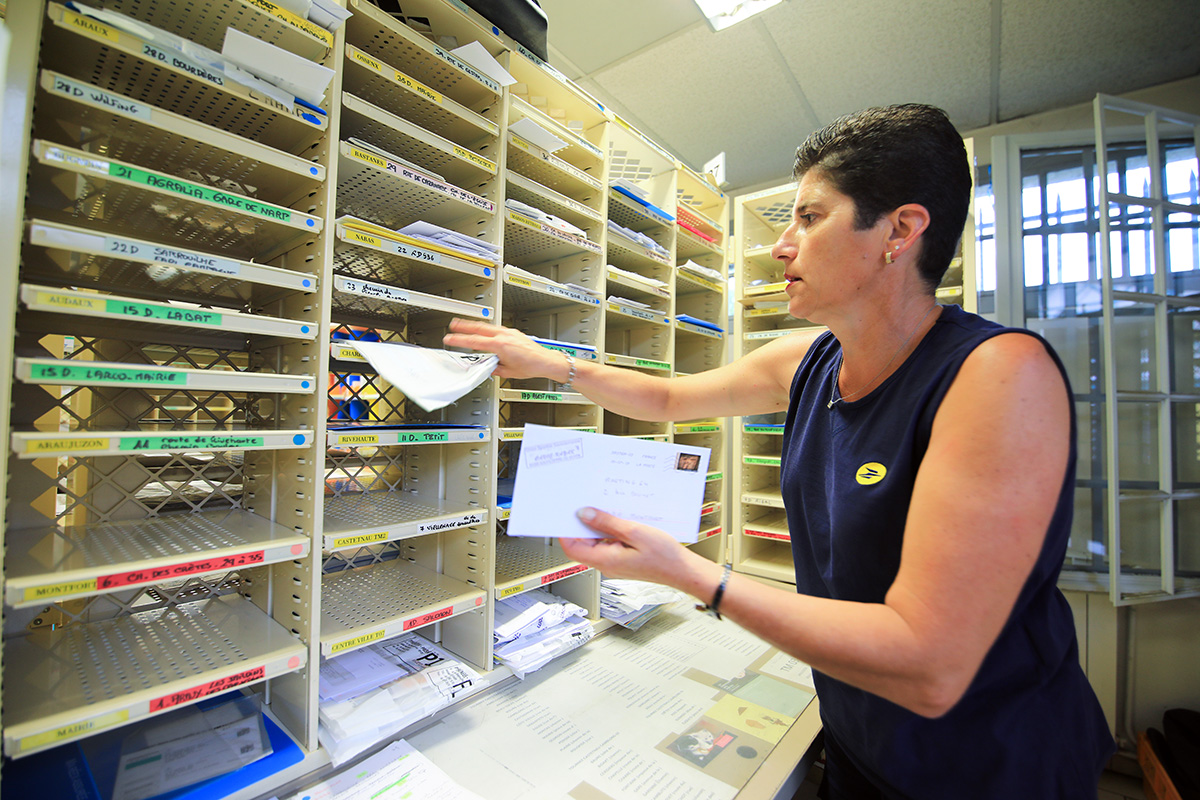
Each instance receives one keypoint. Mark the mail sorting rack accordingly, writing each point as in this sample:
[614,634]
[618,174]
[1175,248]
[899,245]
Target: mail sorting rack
[639,302]
[407,513]
[160,468]
[701,214]
[552,290]
[759,536]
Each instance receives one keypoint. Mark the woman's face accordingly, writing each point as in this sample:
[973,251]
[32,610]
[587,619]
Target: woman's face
[826,261]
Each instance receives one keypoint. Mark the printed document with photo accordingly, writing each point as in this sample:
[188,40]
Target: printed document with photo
[560,471]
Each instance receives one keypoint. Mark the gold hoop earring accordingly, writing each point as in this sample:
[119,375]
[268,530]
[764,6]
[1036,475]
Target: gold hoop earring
[887,256]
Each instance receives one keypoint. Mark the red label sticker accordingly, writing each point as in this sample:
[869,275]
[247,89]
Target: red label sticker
[205,689]
[562,573]
[425,619]
[178,570]
[767,534]
[712,533]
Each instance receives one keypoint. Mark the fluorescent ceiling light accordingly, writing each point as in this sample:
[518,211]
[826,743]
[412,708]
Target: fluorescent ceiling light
[723,13]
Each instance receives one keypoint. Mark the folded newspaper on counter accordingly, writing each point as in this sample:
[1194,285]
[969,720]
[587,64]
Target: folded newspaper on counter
[431,679]
[631,603]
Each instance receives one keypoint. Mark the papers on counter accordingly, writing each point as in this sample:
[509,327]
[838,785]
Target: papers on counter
[530,612]
[560,471]
[397,771]
[631,604]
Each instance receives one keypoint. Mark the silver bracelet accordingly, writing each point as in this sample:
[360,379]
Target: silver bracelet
[566,387]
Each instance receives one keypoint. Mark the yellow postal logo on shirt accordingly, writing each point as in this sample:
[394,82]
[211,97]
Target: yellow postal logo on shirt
[869,473]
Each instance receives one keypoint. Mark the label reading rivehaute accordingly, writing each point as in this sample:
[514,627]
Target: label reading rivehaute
[205,689]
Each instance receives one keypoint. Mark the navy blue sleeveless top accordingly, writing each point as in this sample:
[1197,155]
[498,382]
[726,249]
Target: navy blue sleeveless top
[1029,725]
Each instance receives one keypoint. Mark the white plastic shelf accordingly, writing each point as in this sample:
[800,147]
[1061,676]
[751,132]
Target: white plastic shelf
[154,314]
[701,222]
[689,245]
[127,200]
[628,213]
[544,167]
[206,24]
[770,499]
[639,284]
[621,360]
[61,372]
[771,526]
[386,435]
[623,316]
[397,43]
[366,255]
[69,683]
[523,564]
[383,301]
[360,606]
[152,442]
[130,65]
[384,85]
[366,121]
[45,566]
[140,133]
[538,396]
[363,518]
[393,194]
[628,254]
[530,192]
[153,268]
[584,150]
[527,292]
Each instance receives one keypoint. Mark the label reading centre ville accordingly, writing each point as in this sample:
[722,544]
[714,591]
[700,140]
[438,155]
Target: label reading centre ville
[425,619]
[73,730]
[357,641]
[563,573]
[119,579]
[205,689]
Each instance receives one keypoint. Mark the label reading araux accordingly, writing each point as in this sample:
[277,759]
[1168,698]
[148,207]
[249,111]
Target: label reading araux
[448,524]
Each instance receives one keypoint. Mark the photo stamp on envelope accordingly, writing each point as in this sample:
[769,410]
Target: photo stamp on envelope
[560,471]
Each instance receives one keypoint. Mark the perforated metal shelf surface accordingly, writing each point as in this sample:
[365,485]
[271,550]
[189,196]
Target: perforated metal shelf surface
[458,165]
[578,150]
[523,292]
[205,23]
[636,287]
[120,62]
[686,281]
[393,90]
[532,193]
[627,254]
[63,684]
[359,606]
[689,245]
[391,40]
[527,563]
[622,316]
[153,440]
[125,200]
[371,192]
[83,115]
[354,520]
[769,526]
[81,560]
[549,170]
[771,560]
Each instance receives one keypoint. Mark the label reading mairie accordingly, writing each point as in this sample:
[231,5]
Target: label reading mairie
[73,730]
[78,373]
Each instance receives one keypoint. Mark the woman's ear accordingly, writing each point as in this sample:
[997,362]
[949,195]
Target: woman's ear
[906,224]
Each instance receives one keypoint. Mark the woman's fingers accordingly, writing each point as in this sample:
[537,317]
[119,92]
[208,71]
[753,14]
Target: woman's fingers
[604,523]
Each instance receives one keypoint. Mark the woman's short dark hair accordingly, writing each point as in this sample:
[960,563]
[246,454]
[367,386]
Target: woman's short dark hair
[882,158]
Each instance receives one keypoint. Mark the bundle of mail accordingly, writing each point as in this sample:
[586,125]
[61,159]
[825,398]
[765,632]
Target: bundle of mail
[535,627]
[631,603]
[640,238]
[371,693]
[702,271]
[545,218]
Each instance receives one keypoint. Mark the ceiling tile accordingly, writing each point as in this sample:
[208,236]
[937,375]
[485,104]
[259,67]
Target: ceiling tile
[1063,53]
[700,93]
[594,34]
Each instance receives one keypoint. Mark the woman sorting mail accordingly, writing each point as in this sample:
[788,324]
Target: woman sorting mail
[928,474]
